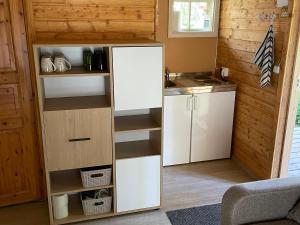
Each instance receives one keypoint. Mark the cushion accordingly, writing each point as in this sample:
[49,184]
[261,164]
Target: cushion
[277,222]
[294,213]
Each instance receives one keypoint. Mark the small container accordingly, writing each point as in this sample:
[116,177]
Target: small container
[87,60]
[96,176]
[100,205]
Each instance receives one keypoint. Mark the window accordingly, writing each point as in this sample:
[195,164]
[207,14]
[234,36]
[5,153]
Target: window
[193,18]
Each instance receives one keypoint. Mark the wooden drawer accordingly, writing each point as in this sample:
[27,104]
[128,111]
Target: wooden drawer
[78,138]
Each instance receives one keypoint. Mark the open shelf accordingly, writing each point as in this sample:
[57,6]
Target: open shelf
[135,149]
[76,212]
[75,71]
[69,181]
[136,123]
[69,103]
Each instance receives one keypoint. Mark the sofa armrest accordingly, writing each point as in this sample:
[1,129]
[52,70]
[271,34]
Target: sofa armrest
[259,201]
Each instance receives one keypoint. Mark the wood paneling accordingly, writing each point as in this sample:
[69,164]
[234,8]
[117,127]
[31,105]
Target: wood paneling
[241,33]
[19,163]
[7,61]
[92,19]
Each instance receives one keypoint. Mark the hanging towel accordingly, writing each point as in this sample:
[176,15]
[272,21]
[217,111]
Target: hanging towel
[264,58]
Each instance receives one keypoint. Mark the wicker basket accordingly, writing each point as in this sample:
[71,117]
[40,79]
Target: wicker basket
[96,206]
[96,176]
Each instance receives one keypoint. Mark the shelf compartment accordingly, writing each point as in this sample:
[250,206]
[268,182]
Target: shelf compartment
[76,212]
[69,181]
[136,123]
[75,71]
[82,102]
[135,149]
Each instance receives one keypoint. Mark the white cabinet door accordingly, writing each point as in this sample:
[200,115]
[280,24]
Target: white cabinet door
[212,126]
[138,183]
[177,128]
[138,75]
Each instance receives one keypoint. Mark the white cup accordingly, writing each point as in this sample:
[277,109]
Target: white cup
[47,65]
[62,64]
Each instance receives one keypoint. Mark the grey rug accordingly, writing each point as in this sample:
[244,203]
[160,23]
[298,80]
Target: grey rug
[203,215]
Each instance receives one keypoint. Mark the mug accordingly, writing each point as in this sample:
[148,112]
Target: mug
[47,64]
[62,64]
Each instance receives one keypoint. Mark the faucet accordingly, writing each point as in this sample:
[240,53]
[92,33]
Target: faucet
[167,74]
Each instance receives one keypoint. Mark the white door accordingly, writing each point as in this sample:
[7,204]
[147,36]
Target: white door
[177,129]
[212,122]
[138,75]
[138,183]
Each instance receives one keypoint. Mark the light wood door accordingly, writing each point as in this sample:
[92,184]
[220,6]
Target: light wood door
[138,73]
[212,126]
[177,129]
[78,138]
[20,173]
[138,183]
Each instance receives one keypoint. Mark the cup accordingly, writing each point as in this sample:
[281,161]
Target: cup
[62,64]
[47,64]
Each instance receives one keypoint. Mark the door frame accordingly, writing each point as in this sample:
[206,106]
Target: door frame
[288,100]
[291,114]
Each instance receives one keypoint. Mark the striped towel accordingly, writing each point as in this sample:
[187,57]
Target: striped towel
[264,58]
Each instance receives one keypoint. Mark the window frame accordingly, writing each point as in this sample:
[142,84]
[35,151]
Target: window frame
[214,33]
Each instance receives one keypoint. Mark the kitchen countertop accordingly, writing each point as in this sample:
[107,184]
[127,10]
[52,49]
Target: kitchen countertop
[194,84]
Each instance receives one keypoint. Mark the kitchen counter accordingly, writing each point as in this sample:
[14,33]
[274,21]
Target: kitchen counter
[192,83]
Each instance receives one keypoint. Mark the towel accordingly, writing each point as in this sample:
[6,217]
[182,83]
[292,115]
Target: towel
[264,58]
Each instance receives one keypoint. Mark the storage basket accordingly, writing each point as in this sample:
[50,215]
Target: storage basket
[96,206]
[96,176]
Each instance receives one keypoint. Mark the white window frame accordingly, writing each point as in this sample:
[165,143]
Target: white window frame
[214,33]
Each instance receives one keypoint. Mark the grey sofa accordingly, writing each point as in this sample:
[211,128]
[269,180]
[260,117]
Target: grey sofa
[261,203]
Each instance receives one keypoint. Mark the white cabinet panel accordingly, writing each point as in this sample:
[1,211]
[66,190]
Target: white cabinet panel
[177,128]
[138,183]
[212,126]
[138,74]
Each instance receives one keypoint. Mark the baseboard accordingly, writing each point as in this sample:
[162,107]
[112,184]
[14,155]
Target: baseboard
[244,168]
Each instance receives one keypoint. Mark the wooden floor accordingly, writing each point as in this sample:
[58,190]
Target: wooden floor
[294,161]
[184,186]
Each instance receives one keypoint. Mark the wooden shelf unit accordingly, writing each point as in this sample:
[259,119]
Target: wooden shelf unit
[70,103]
[68,182]
[75,71]
[76,212]
[62,181]
[136,123]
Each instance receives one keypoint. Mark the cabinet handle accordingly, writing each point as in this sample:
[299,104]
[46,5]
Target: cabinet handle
[189,104]
[79,139]
[195,102]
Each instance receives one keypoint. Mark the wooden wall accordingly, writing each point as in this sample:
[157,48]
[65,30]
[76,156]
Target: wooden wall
[241,33]
[91,19]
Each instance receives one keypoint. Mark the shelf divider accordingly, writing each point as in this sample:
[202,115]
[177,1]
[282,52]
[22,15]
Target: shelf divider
[82,102]
[135,149]
[75,71]
[143,122]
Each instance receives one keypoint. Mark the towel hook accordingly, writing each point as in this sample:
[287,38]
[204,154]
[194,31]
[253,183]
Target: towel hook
[268,17]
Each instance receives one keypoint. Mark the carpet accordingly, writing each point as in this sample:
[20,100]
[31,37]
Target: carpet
[203,215]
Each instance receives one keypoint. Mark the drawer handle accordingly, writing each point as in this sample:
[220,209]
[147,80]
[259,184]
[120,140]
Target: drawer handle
[79,139]
[99,203]
[97,175]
